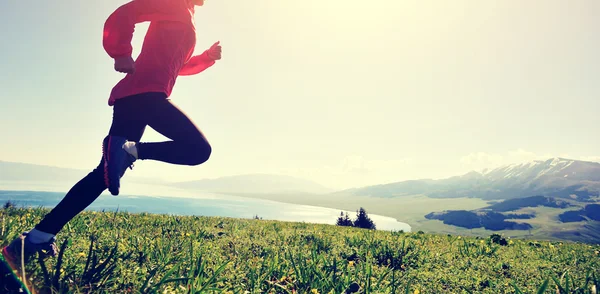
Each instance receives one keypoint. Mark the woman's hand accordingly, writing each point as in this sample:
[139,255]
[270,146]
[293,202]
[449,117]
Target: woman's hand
[124,64]
[214,52]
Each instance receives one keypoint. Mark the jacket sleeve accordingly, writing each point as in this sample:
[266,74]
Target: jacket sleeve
[196,65]
[120,25]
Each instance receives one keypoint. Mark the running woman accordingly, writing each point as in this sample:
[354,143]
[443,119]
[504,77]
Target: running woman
[140,99]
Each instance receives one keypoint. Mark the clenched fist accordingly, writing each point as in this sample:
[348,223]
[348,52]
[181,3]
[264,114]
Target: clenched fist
[125,64]
[214,52]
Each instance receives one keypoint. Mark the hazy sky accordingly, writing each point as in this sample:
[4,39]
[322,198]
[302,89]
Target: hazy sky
[346,93]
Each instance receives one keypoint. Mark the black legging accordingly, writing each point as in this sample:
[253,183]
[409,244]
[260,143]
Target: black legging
[131,115]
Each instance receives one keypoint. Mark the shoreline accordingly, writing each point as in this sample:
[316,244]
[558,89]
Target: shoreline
[300,212]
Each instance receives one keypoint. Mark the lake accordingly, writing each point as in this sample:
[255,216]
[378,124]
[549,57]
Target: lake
[198,203]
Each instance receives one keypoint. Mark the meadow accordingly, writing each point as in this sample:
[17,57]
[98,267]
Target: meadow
[412,210]
[120,252]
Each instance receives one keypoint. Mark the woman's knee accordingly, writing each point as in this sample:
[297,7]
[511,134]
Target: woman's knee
[200,153]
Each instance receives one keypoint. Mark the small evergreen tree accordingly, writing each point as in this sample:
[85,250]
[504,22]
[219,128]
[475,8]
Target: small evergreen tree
[9,204]
[363,220]
[344,220]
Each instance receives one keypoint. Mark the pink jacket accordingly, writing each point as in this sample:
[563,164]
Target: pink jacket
[167,49]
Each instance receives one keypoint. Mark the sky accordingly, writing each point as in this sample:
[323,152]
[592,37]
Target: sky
[345,93]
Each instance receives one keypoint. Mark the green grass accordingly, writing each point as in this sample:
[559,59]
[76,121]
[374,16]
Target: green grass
[145,253]
[412,210]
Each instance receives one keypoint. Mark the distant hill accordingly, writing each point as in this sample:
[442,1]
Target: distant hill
[556,177]
[590,211]
[489,220]
[35,173]
[15,171]
[241,184]
[496,218]
[255,183]
[588,233]
[533,201]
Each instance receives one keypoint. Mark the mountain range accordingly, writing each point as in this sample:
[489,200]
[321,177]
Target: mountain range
[557,177]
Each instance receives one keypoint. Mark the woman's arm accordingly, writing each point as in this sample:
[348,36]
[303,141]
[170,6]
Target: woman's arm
[197,64]
[120,25]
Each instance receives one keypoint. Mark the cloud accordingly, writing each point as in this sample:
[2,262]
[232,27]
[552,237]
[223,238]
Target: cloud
[482,158]
[522,153]
[590,158]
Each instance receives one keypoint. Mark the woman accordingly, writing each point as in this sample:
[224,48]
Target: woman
[141,98]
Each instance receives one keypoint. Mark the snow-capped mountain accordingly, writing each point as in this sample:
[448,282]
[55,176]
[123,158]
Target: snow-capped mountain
[558,177]
[552,168]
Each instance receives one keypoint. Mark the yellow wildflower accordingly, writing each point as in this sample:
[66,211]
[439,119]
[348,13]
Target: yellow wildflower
[351,263]
[81,254]
[314,291]
[416,291]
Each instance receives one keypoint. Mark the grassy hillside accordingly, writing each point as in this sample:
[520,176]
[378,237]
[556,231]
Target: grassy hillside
[144,253]
[413,209]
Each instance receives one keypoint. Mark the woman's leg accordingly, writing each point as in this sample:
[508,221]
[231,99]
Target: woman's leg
[130,117]
[82,194]
[128,121]
[188,146]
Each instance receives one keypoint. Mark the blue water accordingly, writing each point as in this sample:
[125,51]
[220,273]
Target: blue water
[204,205]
